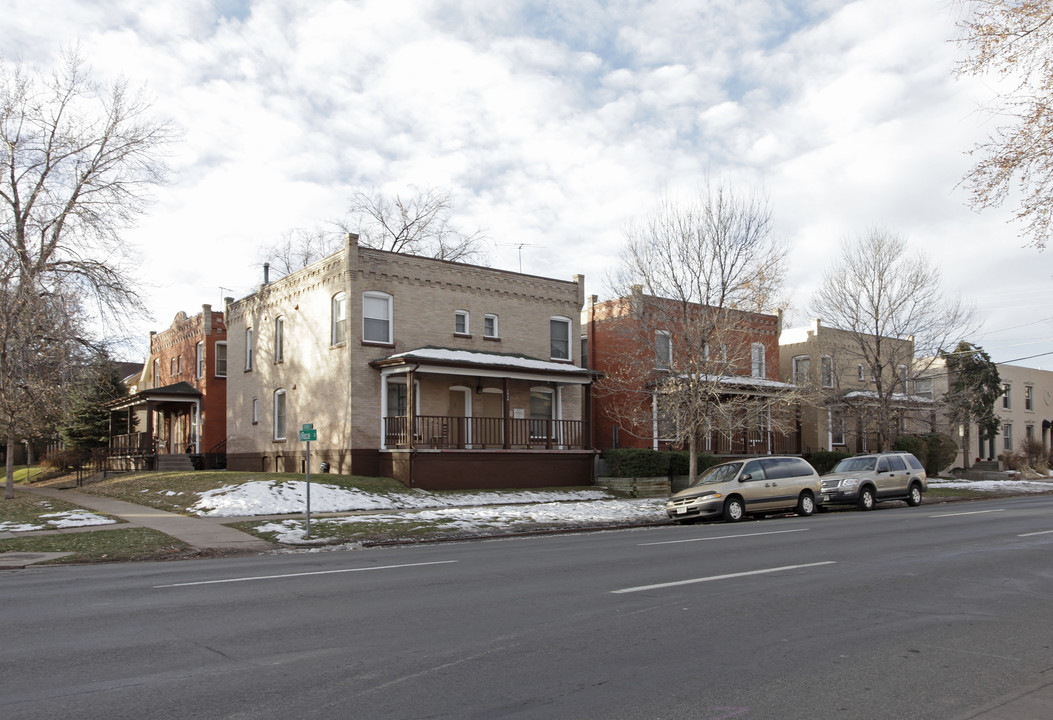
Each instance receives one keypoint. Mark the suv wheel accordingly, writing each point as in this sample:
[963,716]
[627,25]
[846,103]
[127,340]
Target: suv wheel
[866,499]
[806,504]
[914,497]
[734,510]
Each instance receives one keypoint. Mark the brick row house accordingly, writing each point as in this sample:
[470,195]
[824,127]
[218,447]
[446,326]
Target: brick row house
[178,406]
[439,374]
[725,361]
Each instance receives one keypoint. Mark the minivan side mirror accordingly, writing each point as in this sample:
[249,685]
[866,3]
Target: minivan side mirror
[746,478]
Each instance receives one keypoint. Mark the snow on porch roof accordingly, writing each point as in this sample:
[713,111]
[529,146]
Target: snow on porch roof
[436,356]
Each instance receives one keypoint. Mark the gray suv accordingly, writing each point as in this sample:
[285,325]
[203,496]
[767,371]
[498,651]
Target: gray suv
[864,480]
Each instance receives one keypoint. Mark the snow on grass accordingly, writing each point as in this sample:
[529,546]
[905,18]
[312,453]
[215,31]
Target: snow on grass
[68,519]
[1015,486]
[506,518]
[265,497]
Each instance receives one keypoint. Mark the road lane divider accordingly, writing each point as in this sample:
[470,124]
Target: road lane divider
[692,581]
[304,574]
[974,512]
[723,537]
[1041,532]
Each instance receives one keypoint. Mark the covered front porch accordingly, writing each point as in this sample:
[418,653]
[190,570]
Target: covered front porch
[150,429]
[454,419]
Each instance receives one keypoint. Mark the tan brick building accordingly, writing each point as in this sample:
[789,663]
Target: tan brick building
[438,373]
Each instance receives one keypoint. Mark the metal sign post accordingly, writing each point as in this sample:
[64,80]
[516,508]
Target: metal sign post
[307,434]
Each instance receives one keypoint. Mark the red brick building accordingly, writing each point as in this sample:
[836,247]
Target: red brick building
[642,342]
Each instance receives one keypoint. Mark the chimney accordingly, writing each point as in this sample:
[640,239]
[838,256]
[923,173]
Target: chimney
[266,273]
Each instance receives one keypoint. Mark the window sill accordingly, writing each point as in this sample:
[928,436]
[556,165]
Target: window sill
[374,343]
[568,361]
[278,440]
[466,336]
[334,346]
[491,338]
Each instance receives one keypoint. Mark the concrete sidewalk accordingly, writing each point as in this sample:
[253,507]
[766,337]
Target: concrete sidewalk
[196,532]
[1027,703]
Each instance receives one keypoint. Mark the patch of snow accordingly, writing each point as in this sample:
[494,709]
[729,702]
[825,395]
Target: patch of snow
[77,518]
[11,526]
[1020,486]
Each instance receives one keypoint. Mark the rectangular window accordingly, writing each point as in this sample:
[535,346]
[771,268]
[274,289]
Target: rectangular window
[757,365]
[339,319]
[157,372]
[923,388]
[1005,400]
[827,370]
[802,370]
[1007,437]
[490,326]
[376,318]
[862,373]
[837,427]
[667,421]
[460,322]
[199,360]
[279,414]
[1029,397]
[559,336]
[1029,432]
[541,412]
[248,349]
[221,359]
[397,401]
[173,373]
[663,350]
[279,339]
[255,411]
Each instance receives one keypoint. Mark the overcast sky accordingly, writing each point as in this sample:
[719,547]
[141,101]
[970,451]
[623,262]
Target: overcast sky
[552,124]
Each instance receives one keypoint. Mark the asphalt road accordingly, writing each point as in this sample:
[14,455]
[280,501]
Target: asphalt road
[899,613]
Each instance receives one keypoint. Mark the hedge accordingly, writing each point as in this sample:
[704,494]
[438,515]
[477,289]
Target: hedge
[638,462]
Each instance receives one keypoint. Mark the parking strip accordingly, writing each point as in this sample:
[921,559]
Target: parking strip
[659,586]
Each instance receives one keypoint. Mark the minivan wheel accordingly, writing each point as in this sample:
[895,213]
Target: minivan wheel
[805,504]
[734,510]
[866,499]
[914,498]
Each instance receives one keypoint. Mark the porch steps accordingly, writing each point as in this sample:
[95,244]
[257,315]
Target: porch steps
[174,463]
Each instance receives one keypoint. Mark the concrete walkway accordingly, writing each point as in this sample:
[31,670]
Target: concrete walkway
[196,532]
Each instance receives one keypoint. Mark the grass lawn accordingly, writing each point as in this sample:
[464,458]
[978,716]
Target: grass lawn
[123,545]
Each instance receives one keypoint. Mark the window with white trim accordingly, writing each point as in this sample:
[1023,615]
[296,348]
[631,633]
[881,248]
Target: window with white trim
[1029,397]
[157,372]
[199,360]
[542,410]
[249,349]
[663,349]
[221,359]
[490,326]
[758,368]
[279,414]
[826,371]
[559,338]
[1005,401]
[279,339]
[802,370]
[338,312]
[1007,436]
[460,323]
[255,411]
[862,373]
[923,388]
[377,318]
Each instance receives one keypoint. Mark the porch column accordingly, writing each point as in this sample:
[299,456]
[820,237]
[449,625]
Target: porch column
[587,438]
[197,429]
[149,445]
[411,408]
[506,411]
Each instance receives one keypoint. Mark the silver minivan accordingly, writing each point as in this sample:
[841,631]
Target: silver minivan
[757,486]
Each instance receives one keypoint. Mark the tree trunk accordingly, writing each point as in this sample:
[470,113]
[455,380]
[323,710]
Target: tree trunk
[965,446]
[9,487]
[692,456]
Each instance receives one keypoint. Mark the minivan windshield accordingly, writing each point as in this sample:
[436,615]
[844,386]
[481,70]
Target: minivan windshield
[719,474]
[855,464]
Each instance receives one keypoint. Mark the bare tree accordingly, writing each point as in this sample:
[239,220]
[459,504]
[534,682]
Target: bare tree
[891,309]
[76,163]
[1013,40]
[298,248]
[416,224]
[691,274]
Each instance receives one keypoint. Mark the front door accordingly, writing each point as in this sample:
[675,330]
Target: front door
[459,432]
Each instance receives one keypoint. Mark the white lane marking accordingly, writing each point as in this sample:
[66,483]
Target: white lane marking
[974,512]
[1043,532]
[723,537]
[304,574]
[659,586]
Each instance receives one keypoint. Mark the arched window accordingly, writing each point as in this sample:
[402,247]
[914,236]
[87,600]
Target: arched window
[279,339]
[279,414]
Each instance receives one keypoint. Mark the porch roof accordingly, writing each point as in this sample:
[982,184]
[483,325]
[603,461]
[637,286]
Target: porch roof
[744,383]
[178,392]
[865,396]
[447,361]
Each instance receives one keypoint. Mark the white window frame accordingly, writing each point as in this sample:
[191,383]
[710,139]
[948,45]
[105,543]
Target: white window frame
[458,317]
[1007,403]
[221,358]
[663,350]
[389,318]
[280,397]
[826,371]
[758,363]
[279,339]
[338,323]
[157,372]
[255,411]
[862,373]
[490,327]
[1029,397]
[249,348]
[799,377]
[199,359]
[1007,436]
[569,325]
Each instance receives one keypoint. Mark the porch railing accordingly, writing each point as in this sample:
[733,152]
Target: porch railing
[139,443]
[752,442]
[485,433]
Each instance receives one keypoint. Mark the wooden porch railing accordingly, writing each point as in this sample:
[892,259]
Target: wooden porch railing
[139,443]
[485,433]
[753,442]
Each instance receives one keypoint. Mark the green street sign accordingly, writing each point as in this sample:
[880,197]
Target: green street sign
[308,435]
[307,426]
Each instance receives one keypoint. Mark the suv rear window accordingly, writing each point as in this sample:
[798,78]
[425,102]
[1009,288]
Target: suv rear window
[896,462]
[913,462]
